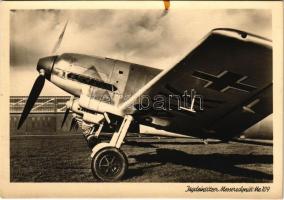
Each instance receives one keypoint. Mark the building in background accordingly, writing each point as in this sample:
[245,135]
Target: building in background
[45,118]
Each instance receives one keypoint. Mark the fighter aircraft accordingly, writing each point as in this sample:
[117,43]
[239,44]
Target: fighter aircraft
[219,89]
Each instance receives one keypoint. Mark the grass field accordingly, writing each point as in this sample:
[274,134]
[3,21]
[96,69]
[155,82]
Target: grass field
[67,159]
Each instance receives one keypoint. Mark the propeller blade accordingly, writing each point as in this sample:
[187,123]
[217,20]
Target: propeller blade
[65,116]
[76,127]
[34,94]
[57,44]
[73,122]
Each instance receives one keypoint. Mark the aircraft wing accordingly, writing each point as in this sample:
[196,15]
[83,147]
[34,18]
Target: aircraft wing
[231,70]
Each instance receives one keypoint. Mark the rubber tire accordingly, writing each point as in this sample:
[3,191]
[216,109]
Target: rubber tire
[99,155]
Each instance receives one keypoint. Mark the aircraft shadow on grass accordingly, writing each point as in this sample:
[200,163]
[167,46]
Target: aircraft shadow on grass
[223,163]
[151,143]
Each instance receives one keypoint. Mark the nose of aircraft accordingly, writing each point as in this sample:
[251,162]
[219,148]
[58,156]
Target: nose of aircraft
[45,66]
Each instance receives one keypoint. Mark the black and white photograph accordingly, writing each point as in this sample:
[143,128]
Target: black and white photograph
[142,96]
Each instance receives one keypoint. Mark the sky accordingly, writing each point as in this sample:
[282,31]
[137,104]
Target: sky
[150,37]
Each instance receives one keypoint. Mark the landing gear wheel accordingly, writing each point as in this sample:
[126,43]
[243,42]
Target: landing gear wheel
[109,164]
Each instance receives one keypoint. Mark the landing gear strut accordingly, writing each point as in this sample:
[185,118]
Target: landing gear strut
[109,163]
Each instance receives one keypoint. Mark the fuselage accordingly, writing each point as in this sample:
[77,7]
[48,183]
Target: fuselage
[111,81]
[101,85]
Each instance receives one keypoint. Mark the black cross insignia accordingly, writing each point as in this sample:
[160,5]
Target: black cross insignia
[224,81]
